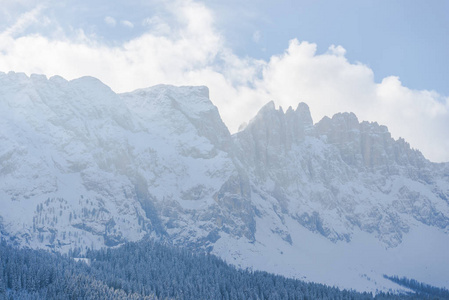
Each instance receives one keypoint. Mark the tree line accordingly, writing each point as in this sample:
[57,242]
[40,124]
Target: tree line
[151,270]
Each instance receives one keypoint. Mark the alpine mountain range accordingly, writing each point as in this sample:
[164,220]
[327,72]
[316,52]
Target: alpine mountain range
[338,202]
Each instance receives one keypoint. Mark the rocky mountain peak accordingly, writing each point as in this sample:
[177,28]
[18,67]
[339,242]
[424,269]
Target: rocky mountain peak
[181,108]
[272,133]
[304,114]
[366,144]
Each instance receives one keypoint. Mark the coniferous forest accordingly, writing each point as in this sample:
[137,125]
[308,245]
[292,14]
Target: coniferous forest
[150,270]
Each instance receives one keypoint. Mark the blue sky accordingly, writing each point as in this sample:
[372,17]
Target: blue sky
[384,60]
[407,38]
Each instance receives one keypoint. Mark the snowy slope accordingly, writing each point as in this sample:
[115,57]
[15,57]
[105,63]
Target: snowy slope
[338,202]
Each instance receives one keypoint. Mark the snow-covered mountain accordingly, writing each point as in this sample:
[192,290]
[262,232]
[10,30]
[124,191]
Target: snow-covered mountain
[338,202]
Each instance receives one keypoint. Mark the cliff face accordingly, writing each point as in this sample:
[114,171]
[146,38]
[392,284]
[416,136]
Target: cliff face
[367,145]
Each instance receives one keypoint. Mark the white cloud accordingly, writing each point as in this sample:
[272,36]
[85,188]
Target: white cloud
[127,23]
[157,25]
[9,8]
[337,50]
[256,36]
[192,52]
[329,84]
[24,21]
[110,21]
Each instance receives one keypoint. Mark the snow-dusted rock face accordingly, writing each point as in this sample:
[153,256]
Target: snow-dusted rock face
[82,166]
[341,175]
[367,145]
[345,181]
